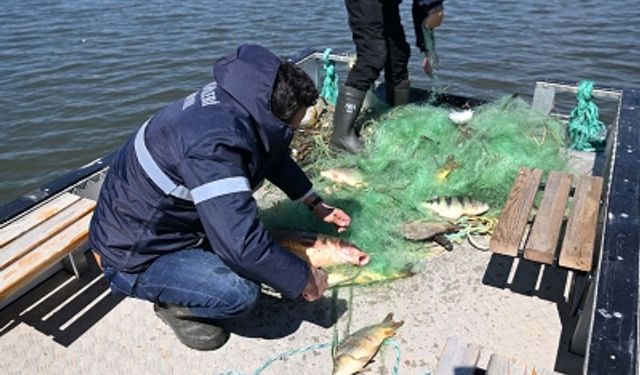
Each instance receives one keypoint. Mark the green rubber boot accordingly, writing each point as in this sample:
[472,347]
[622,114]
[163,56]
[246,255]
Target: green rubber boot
[196,333]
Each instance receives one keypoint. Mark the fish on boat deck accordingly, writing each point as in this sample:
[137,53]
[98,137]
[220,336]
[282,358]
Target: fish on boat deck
[344,176]
[366,276]
[421,231]
[320,250]
[454,207]
[358,349]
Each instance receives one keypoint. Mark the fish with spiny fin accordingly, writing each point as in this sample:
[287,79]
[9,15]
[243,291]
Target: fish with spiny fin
[454,207]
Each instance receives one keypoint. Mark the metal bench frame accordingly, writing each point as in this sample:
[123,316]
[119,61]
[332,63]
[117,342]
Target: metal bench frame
[608,327]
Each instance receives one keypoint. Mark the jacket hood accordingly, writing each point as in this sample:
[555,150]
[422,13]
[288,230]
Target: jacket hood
[248,75]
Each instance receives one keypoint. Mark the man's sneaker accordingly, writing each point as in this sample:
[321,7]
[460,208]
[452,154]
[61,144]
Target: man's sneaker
[196,333]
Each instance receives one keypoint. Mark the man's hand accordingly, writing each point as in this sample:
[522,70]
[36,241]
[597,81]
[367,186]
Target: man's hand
[434,17]
[332,215]
[316,284]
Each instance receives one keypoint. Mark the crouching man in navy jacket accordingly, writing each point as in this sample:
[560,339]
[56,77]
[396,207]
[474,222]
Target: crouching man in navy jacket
[176,222]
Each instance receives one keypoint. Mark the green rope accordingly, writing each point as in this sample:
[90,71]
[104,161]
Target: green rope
[334,318]
[281,356]
[330,84]
[586,131]
[349,312]
[431,54]
[333,344]
[396,348]
[290,353]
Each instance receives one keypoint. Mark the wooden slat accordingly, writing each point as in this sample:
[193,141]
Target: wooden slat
[543,240]
[32,219]
[501,365]
[21,272]
[579,238]
[458,358]
[29,240]
[508,234]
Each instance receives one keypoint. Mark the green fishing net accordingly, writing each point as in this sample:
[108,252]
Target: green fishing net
[415,153]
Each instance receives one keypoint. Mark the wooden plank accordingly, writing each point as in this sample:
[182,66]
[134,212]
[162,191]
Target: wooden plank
[543,240]
[21,272]
[458,358]
[34,218]
[508,234]
[579,238]
[501,365]
[31,239]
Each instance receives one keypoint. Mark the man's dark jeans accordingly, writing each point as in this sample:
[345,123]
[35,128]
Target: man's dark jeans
[195,278]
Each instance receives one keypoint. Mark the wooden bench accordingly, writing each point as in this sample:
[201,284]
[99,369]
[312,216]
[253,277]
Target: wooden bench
[461,358]
[541,241]
[36,241]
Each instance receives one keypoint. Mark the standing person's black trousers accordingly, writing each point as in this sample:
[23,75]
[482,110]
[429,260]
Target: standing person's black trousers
[380,43]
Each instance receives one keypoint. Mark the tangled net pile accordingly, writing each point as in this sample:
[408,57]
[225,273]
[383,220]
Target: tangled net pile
[414,153]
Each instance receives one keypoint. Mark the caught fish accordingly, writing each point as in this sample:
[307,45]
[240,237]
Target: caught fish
[320,250]
[338,276]
[454,207]
[422,231]
[358,349]
[344,176]
[314,113]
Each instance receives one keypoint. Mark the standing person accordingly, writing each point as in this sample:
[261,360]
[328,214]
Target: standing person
[380,44]
[176,222]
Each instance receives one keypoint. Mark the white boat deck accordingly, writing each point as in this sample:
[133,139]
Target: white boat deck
[66,326]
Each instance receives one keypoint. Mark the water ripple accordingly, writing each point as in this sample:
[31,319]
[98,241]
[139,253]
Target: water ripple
[78,77]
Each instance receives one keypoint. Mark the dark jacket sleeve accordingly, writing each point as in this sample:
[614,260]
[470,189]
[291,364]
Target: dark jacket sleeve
[419,10]
[230,220]
[289,177]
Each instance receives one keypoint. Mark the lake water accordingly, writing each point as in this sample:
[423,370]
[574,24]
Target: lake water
[77,77]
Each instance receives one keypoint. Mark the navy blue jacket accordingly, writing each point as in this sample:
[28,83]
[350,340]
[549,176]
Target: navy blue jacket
[225,131]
